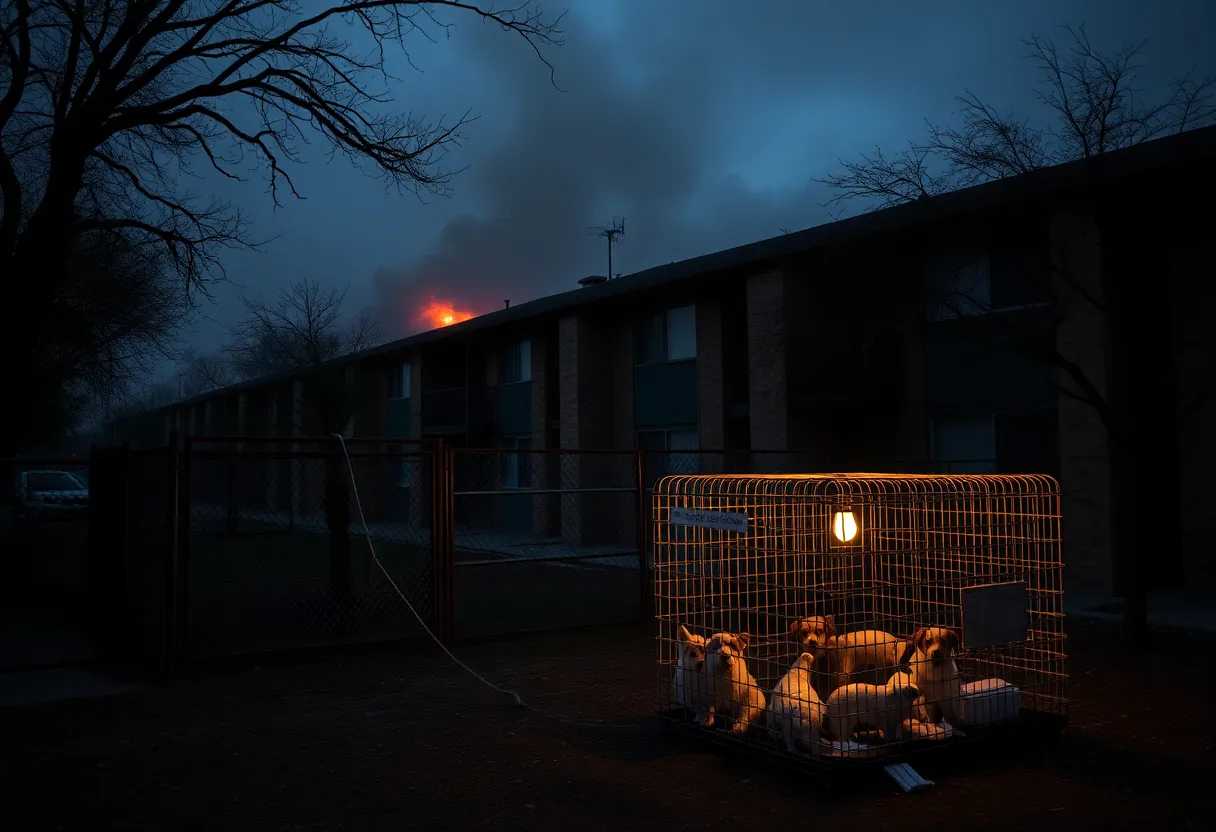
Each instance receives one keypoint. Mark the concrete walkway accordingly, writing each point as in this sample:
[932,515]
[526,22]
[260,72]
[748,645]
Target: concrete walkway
[1185,609]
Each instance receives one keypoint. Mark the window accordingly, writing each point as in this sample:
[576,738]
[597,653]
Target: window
[517,468]
[959,286]
[399,381]
[1028,442]
[964,444]
[660,464]
[667,336]
[403,467]
[516,363]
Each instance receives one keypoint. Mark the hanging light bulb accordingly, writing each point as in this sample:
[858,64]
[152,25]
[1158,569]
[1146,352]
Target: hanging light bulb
[844,526]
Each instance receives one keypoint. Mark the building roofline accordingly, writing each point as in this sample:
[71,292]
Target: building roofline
[1180,149]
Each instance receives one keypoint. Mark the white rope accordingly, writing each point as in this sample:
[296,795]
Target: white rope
[515,697]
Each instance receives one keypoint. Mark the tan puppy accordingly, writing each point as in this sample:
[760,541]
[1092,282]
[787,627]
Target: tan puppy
[930,656]
[846,654]
[689,683]
[885,707]
[795,714]
[732,688]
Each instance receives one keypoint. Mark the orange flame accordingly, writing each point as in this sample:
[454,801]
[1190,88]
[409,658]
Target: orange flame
[439,313]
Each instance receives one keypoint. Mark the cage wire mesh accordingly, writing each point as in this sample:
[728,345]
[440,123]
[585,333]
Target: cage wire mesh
[930,608]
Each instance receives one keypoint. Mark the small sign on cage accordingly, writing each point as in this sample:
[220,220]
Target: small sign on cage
[728,521]
[994,614]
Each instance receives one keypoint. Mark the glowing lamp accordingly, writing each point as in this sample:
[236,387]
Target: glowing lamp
[844,526]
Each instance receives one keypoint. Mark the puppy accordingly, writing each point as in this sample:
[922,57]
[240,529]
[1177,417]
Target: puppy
[846,654]
[912,726]
[934,672]
[689,684]
[795,713]
[732,689]
[885,707]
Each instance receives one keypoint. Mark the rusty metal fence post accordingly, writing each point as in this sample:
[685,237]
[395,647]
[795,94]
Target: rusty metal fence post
[643,536]
[182,587]
[442,605]
[172,536]
[448,575]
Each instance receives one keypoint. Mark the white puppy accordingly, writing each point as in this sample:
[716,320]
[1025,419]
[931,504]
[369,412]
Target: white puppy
[930,655]
[732,689]
[884,707]
[848,654]
[795,713]
[689,683]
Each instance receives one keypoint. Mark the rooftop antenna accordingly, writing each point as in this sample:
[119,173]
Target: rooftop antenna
[611,233]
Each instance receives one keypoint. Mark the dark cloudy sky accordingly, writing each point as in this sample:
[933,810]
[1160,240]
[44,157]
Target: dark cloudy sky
[701,121]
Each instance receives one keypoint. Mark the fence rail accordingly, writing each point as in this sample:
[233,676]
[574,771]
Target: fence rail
[224,545]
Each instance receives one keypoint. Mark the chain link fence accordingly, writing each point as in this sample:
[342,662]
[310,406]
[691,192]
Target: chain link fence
[279,556]
[544,539]
[234,546]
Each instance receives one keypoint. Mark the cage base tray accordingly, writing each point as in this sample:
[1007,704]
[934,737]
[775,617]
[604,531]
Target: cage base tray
[757,743]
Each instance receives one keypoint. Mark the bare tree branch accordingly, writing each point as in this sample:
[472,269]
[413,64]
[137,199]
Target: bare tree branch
[1098,108]
[109,107]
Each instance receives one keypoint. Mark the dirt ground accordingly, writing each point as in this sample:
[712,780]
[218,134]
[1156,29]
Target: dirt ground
[399,738]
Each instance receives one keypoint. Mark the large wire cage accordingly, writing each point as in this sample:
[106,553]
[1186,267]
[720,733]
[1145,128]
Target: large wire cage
[837,618]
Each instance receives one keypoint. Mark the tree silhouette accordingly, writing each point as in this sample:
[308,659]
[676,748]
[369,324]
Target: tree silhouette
[1097,109]
[108,106]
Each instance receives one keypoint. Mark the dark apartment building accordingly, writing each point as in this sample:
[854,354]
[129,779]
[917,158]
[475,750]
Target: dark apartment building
[947,333]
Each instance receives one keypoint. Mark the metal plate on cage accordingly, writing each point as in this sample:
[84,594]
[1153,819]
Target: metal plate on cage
[994,614]
[727,521]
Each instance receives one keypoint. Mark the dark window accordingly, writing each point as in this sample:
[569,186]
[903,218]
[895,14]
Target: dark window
[517,467]
[649,341]
[1028,443]
[516,363]
[399,381]
[1021,265]
[964,444]
[959,284]
[405,468]
[667,336]
[666,457]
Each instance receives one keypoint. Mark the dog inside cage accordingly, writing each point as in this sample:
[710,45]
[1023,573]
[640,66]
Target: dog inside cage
[839,617]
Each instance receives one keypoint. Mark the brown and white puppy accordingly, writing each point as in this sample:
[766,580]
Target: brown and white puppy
[930,655]
[844,655]
[795,714]
[885,707]
[732,688]
[689,683]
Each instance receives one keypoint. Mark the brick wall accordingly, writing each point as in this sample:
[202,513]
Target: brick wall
[624,434]
[711,402]
[766,361]
[1195,350]
[416,394]
[1084,447]
[545,467]
[592,414]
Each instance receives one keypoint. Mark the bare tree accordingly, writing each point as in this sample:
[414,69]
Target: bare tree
[107,106]
[203,372]
[303,329]
[115,316]
[1098,109]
